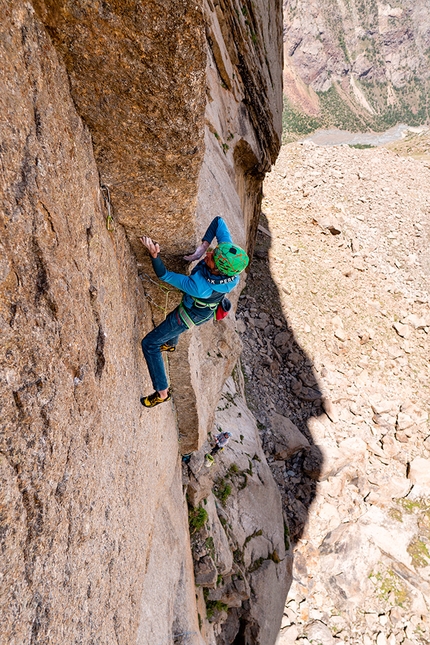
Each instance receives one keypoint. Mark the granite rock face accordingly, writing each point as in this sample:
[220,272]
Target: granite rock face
[87,479]
[137,77]
[184,108]
[91,492]
[242,557]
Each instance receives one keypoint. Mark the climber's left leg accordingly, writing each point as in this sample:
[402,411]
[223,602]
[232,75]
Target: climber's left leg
[164,333]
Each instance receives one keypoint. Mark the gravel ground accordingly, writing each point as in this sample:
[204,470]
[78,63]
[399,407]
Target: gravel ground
[335,322]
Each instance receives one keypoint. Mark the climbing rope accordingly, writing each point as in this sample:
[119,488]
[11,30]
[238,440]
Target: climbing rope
[106,196]
[145,276]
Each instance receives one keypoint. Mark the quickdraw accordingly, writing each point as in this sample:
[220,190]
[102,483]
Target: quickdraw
[109,217]
[145,276]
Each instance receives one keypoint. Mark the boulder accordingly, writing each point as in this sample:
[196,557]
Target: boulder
[380,529]
[315,461]
[390,446]
[404,421]
[330,409]
[395,488]
[402,330]
[288,636]
[415,321]
[329,224]
[287,437]
[205,572]
[318,632]
[282,338]
[346,578]
[323,461]
[419,472]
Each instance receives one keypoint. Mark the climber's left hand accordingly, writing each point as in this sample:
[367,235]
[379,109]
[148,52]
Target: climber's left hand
[198,253]
[153,247]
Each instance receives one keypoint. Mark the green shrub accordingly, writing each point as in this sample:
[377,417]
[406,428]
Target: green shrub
[256,565]
[197,518]
[213,606]
[209,543]
[222,490]
[361,146]
[419,553]
[295,122]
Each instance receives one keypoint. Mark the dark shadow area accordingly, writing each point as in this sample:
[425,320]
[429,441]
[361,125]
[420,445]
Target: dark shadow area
[279,380]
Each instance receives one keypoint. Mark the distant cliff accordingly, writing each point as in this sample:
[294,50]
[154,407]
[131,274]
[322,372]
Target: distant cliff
[117,119]
[357,64]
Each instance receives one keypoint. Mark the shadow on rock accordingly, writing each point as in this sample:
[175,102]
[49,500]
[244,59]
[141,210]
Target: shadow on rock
[249,507]
[281,389]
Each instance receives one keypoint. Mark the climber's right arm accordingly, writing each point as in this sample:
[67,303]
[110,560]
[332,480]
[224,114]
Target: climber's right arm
[154,249]
[188,284]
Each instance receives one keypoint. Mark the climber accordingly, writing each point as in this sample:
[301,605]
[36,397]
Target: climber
[221,440]
[210,280]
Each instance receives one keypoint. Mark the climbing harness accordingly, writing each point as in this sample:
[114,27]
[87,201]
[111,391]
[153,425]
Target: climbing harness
[205,305]
[218,310]
[109,217]
[187,320]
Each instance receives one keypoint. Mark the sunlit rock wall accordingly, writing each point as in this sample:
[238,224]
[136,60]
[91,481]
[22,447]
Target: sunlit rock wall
[90,485]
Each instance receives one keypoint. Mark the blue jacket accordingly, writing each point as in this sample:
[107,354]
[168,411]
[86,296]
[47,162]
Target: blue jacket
[201,284]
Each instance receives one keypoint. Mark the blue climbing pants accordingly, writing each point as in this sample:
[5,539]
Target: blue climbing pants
[166,332]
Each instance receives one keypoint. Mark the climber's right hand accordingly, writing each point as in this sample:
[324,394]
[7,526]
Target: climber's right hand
[198,253]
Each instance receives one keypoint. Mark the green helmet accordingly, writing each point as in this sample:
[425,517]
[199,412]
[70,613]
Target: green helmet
[230,259]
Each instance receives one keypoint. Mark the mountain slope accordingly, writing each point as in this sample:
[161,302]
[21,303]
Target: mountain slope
[365,63]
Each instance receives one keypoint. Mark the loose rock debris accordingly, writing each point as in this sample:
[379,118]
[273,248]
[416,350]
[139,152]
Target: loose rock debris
[335,322]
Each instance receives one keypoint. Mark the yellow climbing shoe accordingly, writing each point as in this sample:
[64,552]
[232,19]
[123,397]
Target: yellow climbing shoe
[154,399]
[167,348]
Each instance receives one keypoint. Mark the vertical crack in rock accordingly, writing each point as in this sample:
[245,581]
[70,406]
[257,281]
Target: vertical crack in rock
[100,357]
[34,523]
[41,279]
[41,618]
